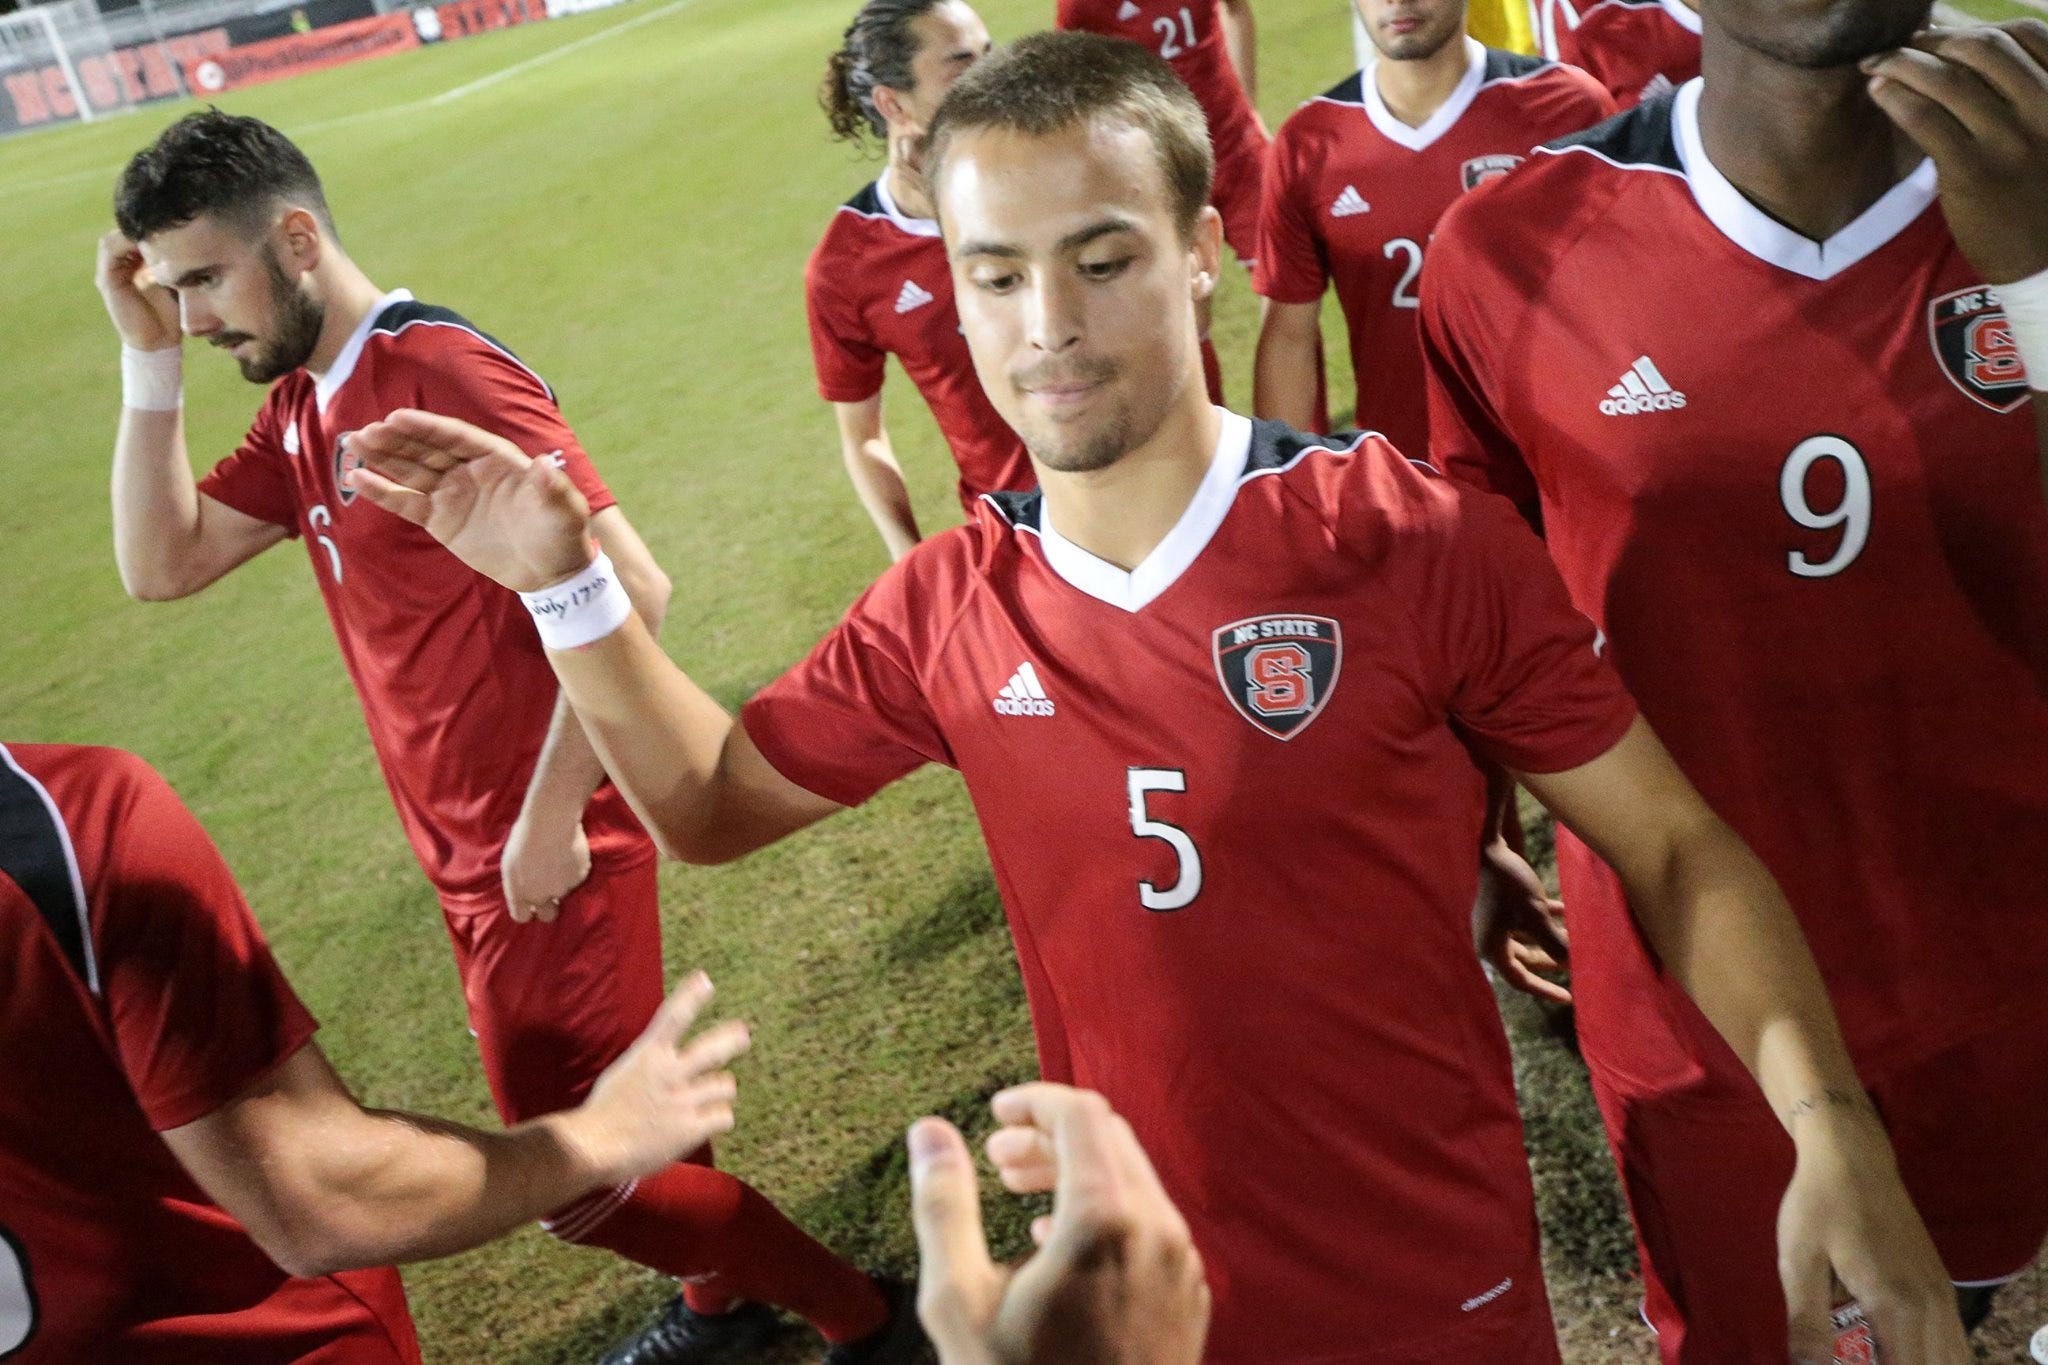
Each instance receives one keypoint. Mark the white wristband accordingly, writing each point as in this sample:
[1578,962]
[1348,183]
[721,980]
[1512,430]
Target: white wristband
[152,381]
[2026,312]
[578,610]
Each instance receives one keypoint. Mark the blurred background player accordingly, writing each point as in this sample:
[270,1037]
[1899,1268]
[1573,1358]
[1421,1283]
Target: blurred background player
[1509,25]
[1213,767]
[546,881]
[1212,45]
[1636,48]
[1744,354]
[183,1177]
[1357,181]
[877,285]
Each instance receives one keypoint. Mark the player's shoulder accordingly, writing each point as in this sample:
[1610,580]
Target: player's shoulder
[427,339]
[1518,75]
[1614,15]
[855,229]
[65,777]
[1321,119]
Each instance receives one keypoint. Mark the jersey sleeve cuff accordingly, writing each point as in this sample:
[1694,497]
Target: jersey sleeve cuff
[191,1105]
[1587,744]
[224,494]
[788,760]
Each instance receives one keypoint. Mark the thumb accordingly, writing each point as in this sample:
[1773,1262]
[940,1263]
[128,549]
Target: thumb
[1809,1295]
[954,1269]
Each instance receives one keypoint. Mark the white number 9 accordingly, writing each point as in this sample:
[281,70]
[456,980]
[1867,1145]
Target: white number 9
[1852,514]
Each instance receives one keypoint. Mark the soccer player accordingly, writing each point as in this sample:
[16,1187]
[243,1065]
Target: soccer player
[546,881]
[1755,356]
[877,284]
[1358,180]
[1636,48]
[1212,45]
[1212,691]
[183,1177]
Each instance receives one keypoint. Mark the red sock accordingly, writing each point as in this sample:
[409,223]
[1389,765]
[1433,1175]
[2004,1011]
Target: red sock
[704,1226]
[1212,371]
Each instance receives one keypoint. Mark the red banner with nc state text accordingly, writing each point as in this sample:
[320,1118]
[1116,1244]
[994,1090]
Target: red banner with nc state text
[298,52]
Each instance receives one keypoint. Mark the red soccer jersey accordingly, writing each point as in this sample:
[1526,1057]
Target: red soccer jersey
[1190,38]
[879,285]
[454,683]
[1636,48]
[1796,485]
[1233,819]
[1353,195]
[139,997]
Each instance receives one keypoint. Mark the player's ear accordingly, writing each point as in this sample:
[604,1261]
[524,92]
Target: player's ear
[890,106]
[299,235]
[1205,252]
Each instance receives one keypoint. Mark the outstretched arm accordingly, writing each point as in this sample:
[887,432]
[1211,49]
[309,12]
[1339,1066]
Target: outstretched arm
[693,776]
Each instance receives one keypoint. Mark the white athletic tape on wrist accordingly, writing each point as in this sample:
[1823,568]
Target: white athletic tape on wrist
[2026,312]
[153,381]
[578,610]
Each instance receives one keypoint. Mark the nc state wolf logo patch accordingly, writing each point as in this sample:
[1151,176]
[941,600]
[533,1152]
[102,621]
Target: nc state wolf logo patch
[343,463]
[1974,344]
[1481,169]
[1279,671]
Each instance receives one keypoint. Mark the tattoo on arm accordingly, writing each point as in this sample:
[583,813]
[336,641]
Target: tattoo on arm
[1846,1101]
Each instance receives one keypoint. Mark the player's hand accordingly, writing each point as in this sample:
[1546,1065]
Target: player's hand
[144,312]
[1846,1220]
[1976,100]
[666,1096]
[507,515]
[540,866]
[1116,1277]
[1517,926]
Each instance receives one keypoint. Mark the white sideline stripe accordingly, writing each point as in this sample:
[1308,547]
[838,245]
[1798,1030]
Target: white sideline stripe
[543,58]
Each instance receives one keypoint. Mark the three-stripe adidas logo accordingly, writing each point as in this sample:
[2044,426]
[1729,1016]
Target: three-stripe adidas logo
[1023,694]
[1642,389]
[1349,203]
[912,296]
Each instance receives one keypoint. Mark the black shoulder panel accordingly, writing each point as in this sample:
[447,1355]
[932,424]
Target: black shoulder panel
[1640,136]
[1022,510]
[35,855]
[1508,66]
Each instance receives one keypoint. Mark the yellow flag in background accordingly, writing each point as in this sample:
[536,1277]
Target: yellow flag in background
[1502,23]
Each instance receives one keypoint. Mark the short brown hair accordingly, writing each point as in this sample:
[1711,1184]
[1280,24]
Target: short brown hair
[1049,82]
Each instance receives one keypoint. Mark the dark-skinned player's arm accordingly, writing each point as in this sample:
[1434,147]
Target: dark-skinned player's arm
[1722,928]
[695,779]
[170,540]
[1976,101]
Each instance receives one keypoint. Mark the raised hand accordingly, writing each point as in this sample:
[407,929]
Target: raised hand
[143,311]
[1976,101]
[506,514]
[1116,1279]
[664,1097]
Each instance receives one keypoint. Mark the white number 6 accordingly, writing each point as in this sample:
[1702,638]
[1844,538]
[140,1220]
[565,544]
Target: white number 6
[1852,514]
[1144,781]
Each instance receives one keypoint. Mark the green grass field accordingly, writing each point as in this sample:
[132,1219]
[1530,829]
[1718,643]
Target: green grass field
[633,218]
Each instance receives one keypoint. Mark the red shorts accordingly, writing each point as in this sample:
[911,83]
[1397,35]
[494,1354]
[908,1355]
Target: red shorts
[554,1004]
[1705,1168]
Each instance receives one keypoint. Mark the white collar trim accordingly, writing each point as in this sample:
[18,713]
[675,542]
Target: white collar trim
[329,384]
[1681,14]
[1762,236]
[1172,556]
[1447,113]
[916,227]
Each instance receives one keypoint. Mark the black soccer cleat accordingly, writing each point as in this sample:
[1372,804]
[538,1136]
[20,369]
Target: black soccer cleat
[899,1341]
[683,1336]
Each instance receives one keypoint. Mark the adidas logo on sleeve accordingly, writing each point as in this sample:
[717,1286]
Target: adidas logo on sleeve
[1023,695]
[1642,389]
[1349,204]
[912,296]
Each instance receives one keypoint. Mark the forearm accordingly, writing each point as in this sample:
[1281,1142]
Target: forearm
[156,504]
[878,482]
[1284,372]
[1725,932]
[1240,40]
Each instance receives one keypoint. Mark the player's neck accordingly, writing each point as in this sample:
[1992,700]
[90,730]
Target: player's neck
[1120,514]
[1413,91]
[1807,147]
[350,297]
[906,188]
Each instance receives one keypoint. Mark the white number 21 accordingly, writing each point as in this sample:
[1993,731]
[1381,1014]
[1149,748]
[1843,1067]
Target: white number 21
[1143,782]
[1852,513]
[1175,40]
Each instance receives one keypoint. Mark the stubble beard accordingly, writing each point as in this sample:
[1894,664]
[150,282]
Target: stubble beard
[297,321]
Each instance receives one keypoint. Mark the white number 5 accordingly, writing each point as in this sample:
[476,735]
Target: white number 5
[1852,514]
[17,1299]
[1182,893]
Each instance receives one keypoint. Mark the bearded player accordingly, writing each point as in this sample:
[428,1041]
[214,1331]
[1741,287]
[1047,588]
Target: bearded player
[877,285]
[546,882]
[1636,48]
[186,1178]
[1224,780]
[1756,355]
[1358,179]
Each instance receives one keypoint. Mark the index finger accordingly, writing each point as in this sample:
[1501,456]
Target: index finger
[1999,60]
[673,1019]
[412,434]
